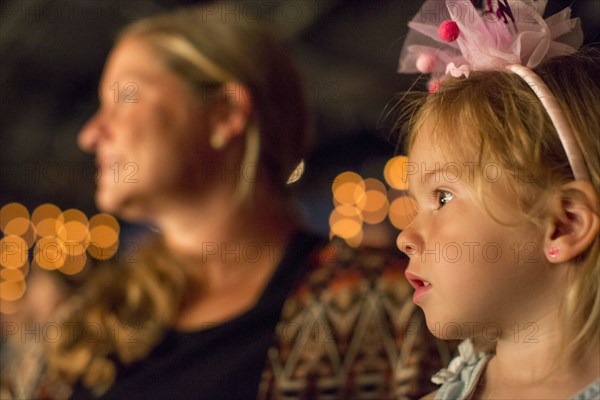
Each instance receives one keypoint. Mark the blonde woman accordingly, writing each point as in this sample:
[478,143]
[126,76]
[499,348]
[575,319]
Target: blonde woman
[205,120]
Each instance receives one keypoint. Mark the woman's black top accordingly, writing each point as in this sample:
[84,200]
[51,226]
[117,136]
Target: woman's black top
[218,362]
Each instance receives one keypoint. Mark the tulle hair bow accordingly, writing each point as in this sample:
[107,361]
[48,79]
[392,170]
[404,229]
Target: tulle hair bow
[453,37]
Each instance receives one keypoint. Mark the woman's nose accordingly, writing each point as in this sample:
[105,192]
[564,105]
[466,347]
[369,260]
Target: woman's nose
[90,133]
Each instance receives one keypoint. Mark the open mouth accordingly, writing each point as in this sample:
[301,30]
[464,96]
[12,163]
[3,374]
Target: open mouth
[416,281]
[421,286]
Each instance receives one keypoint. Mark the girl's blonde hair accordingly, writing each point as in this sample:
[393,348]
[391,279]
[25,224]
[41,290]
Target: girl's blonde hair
[131,306]
[495,117]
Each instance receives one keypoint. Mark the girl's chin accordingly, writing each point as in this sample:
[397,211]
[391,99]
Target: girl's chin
[445,329]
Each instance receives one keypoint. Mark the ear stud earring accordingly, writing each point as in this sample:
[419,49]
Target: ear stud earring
[217,141]
[553,252]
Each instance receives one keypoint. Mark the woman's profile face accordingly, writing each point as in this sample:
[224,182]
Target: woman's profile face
[148,134]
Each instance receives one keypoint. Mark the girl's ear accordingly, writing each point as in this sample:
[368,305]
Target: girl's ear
[231,114]
[573,222]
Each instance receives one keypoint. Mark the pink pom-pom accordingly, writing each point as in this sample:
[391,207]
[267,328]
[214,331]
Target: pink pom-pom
[426,63]
[448,31]
[434,85]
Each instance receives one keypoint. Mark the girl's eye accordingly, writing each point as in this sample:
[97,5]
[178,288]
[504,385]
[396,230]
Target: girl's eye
[442,197]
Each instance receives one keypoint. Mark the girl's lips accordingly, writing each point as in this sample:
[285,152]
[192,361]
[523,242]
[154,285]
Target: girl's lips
[421,285]
[416,281]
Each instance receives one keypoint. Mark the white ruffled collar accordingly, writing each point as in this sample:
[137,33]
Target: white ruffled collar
[461,376]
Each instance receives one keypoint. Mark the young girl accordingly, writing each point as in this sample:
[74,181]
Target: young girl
[504,248]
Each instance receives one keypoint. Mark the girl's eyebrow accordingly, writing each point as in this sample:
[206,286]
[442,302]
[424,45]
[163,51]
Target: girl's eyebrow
[445,171]
[427,175]
[449,173]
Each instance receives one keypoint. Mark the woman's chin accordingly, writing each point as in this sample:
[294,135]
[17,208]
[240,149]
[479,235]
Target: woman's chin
[125,206]
[111,202]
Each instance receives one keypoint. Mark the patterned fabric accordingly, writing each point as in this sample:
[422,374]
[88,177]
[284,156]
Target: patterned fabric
[351,331]
[348,330]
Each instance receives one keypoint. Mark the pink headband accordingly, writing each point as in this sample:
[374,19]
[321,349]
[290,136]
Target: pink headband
[453,38]
[557,116]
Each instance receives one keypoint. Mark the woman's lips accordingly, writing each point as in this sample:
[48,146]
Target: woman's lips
[421,286]
[105,162]
[109,168]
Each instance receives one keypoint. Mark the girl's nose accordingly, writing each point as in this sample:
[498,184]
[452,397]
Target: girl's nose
[90,133]
[408,241]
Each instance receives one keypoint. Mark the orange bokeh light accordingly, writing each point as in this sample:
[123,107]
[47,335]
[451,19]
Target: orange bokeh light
[13,251]
[12,211]
[395,172]
[50,253]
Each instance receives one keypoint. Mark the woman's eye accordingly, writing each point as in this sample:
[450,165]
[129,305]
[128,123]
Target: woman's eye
[443,197]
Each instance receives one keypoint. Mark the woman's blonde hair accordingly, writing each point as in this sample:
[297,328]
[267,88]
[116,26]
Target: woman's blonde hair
[495,117]
[121,312]
[129,308]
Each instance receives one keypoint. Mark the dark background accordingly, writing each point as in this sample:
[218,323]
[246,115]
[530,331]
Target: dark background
[52,54]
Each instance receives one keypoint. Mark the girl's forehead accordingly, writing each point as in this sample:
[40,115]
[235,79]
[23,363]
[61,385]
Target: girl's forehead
[426,160]
[433,159]
[427,148]
[444,140]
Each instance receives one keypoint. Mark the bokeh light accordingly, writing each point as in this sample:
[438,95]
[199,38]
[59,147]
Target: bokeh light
[345,226]
[104,236]
[43,212]
[21,227]
[9,307]
[13,252]
[348,188]
[60,241]
[345,210]
[104,219]
[73,227]
[357,201]
[12,275]
[49,227]
[74,263]
[355,241]
[362,205]
[50,253]
[17,226]
[12,284]
[374,203]
[395,172]
[12,211]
